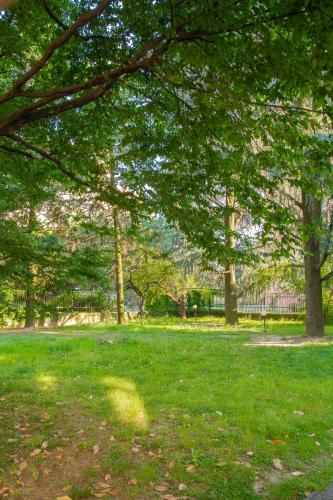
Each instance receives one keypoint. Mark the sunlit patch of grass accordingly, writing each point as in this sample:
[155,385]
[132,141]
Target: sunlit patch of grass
[126,402]
[46,381]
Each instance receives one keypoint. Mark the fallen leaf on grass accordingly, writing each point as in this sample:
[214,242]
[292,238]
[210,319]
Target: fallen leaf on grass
[4,490]
[81,431]
[107,477]
[276,442]
[297,473]
[101,486]
[191,469]
[95,449]
[161,488]
[182,487]
[66,497]
[35,452]
[298,412]
[220,464]
[135,449]
[317,443]
[133,481]
[172,464]
[259,485]
[103,423]
[277,464]
[22,466]
[250,453]
[44,445]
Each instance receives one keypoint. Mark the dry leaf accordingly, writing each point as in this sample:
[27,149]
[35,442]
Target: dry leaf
[99,495]
[135,449]
[191,469]
[250,453]
[22,466]
[59,457]
[152,435]
[66,497]
[259,486]
[220,464]
[4,490]
[277,464]
[133,481]
[297,473]
[298,412]
[104,423]
[112,438]
[182,487]
[219,413]
[81,431]
[35,452]
[276,442]
[107,477]
[171,464]
[161,488]
[101,486]
[95,449]
[44,445]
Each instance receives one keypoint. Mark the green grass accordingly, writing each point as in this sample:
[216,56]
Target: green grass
[168,394]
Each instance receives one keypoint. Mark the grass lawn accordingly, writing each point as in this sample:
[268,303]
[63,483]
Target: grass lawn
[169,409]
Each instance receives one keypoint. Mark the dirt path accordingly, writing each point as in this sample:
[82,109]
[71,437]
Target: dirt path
[290,341]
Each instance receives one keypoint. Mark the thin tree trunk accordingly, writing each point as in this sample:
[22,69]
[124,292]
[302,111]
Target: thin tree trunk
[119,269]
[142,306]
[30,303]
[230,293]
[182,307]
[311,208]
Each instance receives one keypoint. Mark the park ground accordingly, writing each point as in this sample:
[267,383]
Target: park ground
[164,409]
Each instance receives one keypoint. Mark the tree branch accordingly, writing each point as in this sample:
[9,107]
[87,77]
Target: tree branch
[63,26]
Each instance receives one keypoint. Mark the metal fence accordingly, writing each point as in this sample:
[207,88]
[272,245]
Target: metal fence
[271,302]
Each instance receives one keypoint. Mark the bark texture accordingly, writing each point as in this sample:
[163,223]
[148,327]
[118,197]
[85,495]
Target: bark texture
[230,293]
[182,307]
[119,269]
[312,213]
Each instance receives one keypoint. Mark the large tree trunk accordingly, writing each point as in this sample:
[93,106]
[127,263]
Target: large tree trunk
[119,269]
[230,293]
[182,307]
[311,208]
